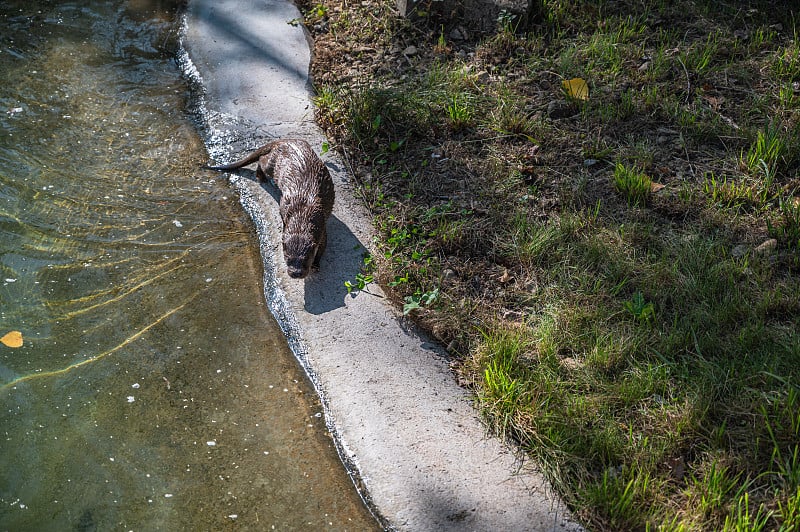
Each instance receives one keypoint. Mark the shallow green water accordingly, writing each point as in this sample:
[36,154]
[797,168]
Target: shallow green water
[153,390]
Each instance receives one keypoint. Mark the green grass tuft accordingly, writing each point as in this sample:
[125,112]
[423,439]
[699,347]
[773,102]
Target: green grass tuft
[634,186]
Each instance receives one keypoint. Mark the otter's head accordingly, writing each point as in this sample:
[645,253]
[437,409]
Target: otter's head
[299,250]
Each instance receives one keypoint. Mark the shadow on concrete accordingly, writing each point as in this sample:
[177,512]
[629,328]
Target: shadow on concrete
[253,44]
[324,289]
[458,511]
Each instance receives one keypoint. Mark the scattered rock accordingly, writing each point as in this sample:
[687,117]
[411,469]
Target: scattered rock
[505,277]
[560,109]
[766,247]
[410,50]
[513,315]
[677,467]
[739,251]
[459,34]
[448,274]
[483,76]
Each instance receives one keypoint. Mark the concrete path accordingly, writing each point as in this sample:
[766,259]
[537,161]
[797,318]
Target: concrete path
[419,452]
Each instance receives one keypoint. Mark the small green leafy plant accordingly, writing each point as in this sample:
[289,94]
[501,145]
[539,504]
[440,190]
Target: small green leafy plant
[420,299]
[643,311]
[363,278]
[507,22]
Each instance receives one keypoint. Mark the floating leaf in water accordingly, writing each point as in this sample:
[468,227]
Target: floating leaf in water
[12,339]
[576,88]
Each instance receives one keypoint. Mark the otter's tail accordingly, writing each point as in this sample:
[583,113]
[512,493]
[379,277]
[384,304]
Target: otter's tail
[249,159]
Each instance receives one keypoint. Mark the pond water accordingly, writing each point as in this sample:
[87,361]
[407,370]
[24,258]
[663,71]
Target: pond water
[153,390]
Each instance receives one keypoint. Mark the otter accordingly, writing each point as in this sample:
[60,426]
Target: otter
[306,201]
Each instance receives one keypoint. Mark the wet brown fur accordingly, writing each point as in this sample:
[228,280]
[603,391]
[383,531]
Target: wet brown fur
[306,202]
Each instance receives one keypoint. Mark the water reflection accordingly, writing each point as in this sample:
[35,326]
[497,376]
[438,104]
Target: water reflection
[153,390]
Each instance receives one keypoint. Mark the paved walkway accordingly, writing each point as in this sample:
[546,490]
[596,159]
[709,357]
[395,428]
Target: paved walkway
[424,460]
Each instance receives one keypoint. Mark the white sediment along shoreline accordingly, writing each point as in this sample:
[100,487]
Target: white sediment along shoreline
[416,447]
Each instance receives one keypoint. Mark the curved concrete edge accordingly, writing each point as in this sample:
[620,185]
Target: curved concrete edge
[422,457]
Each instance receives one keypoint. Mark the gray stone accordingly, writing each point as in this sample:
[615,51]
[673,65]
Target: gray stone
[739,251]
[766,247]
[483,76]
[458,34]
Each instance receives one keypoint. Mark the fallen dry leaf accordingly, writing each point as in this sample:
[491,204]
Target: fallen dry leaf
[715,102]
[576,88]
[655,187]
[12,339]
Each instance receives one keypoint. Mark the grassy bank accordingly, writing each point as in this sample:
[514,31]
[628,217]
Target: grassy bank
[600,217]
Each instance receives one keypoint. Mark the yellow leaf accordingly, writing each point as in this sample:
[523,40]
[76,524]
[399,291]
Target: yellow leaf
[576,88]
[12,339]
